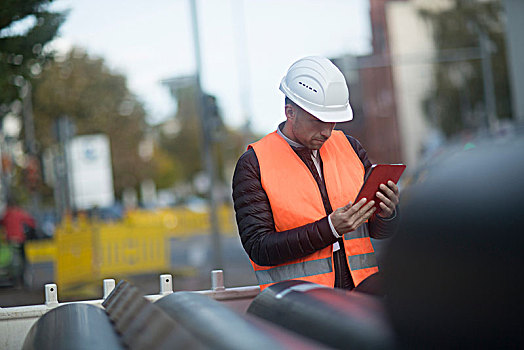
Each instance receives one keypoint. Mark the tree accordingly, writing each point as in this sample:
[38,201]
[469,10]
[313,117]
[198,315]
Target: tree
[22,55]
[185,144]
[167,169]
[98,101]
[457,101]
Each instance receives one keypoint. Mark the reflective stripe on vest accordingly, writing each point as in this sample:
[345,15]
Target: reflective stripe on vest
[296,201]
[362,261]
[294,271]
[361,232]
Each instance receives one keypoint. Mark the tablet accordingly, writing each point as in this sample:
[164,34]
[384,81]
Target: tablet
[379,174]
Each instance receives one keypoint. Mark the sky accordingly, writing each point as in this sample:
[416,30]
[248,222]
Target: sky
[246,47]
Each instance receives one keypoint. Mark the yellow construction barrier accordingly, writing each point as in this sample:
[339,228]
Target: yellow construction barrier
[181,222]
[124,249]
[86,251]
[75,245]
[40,251]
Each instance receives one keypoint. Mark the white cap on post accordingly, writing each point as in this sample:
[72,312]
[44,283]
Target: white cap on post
[109,285]
[217,280]
[166,284]
[51,295]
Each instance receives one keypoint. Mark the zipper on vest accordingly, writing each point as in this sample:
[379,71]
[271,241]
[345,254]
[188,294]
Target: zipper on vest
[343,278]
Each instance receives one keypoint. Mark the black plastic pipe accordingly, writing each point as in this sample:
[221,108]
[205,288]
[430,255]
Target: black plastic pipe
[330,316]
[453,273]
[218,327]
[73,326]
[143,325]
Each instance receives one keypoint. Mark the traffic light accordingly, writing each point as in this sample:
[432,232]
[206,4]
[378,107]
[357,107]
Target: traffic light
[213,119]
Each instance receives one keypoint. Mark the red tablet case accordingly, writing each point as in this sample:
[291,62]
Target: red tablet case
[380,174]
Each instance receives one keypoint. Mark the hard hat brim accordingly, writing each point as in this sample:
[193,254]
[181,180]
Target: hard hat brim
[331,114]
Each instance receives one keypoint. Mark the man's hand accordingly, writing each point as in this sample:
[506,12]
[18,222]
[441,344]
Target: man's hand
[388,196]
[350,217]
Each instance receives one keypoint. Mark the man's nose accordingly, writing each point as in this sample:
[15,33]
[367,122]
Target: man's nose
[327,128]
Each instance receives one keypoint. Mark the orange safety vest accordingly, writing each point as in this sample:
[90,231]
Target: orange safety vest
[296,201]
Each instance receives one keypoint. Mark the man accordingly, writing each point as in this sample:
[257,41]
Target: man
[293,189]
[15,222]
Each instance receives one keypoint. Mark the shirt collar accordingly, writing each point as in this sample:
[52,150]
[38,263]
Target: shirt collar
[291,142]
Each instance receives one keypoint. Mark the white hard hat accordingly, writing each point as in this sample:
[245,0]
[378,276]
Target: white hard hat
[317,86]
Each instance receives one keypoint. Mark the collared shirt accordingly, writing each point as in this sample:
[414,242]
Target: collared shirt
[314,152]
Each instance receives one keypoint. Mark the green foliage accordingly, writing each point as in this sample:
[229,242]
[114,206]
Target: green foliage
[457,102]
[22,55]
[167,169]
[98,101]
[185,145]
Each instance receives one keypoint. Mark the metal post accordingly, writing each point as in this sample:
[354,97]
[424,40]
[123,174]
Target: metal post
[64,130]
[29,127]
[217,280]
[166,284]
[30,141]
[51,295]
[109,285]
[243,68]
[207,153]
[58,190]
[4,177]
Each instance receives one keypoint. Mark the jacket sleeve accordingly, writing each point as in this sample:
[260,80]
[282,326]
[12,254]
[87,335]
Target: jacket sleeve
[256,224]
[379,228]
[28,219]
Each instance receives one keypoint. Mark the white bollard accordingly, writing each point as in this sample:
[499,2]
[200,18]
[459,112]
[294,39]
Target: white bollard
[109,285]
[217,280]
[166,284]
[51,295]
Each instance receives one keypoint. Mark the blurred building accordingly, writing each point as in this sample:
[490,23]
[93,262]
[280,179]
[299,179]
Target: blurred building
[413,54]
[515,42]
[377,127]
[387,87]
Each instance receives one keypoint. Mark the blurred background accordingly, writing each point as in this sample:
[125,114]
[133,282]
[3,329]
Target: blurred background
[122,121]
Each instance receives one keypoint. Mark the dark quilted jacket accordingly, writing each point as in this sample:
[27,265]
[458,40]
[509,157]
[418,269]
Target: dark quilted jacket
[255,219]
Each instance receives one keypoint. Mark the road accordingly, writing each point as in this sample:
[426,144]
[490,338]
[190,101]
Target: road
[190,267]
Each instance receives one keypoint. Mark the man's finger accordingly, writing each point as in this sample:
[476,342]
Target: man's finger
[365,209]
[385,211]
[365,217]
[385,200]
[356,207]
[347,206]
[390,194]
[385,207]
[386,190]
[393,187]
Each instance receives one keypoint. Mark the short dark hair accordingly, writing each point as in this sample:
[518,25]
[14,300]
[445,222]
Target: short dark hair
[288,101]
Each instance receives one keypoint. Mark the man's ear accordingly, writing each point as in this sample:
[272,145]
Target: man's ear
[290,112]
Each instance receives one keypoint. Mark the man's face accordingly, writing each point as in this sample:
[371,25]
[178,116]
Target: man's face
[309,131]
